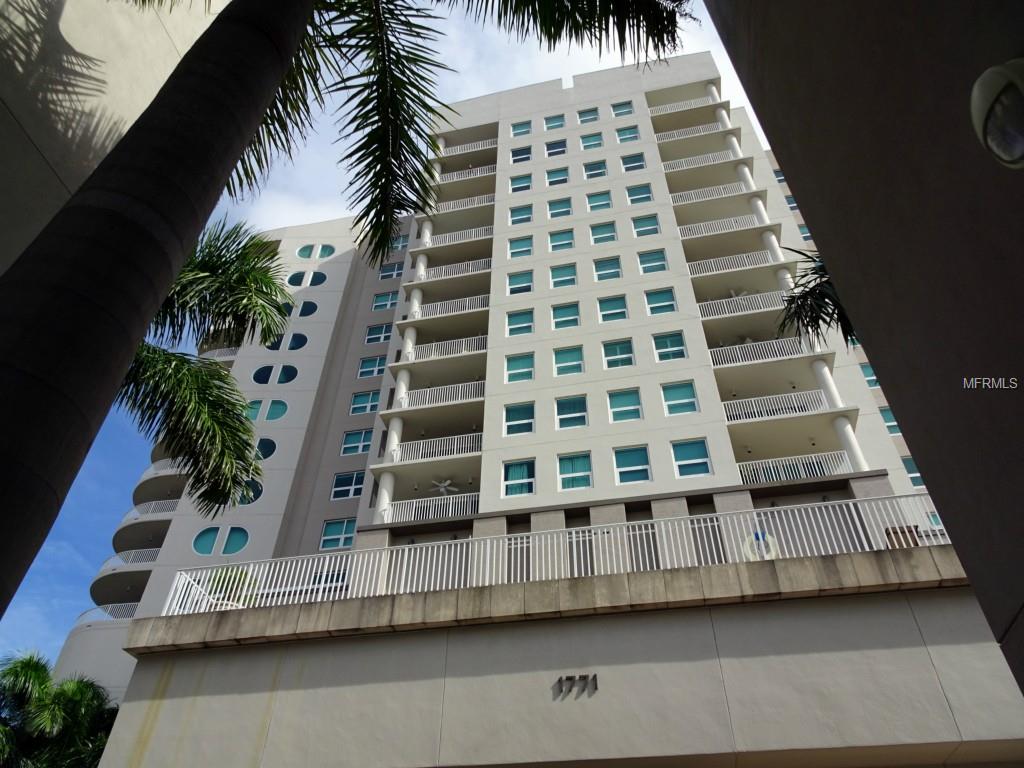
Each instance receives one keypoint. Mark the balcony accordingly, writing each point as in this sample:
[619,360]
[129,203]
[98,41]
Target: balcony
[681,106]
[698,161]
[731,263]
[102,614]
[131,557]
[689,133]
[442,507]
[457,270]
[444,349]
[775,406]
[468,182]
[437,448]
[145,526]
[473,146]
[123,577]
[446,395]
[719,226]
[807,467]
[463,212]
[462,236]
[709,193]
[450,307]
[761,351]
[142,511]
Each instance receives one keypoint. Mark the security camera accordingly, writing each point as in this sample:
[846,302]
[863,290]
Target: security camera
[997,111]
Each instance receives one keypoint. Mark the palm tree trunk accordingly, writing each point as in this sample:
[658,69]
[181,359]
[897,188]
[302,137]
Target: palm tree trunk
[76,304]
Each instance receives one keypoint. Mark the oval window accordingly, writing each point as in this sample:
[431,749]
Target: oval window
[288,307]
[307,309]
[253,490]
[204,541]
[288,373]
[262,375]
[276,343]
[297,341]
[236,540]
[265,448]
[317,278]
[277,409]
[305,251]
[253,409]
[326,251]
[295,279]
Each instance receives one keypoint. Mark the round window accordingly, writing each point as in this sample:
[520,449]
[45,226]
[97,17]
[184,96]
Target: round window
[276,410]
[262,375]
[297,341]
[307,309]
[305,252]
[253,490]
[204,541]
[288,373]
[236,540]
[326,251]
[265,448]
[317,278]
[295,279]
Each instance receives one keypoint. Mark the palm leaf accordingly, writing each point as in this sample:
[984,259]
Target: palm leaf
[24,677]
[813,308]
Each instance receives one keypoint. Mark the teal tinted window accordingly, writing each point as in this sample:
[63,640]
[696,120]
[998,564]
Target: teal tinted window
[386,300]
[518,419]
[563,276]
[669,346]
[518,478]
[287,374]
[326,251]
[391,271]
[317,278]
[628,133]
[305,252]
[624,405]
[622,108]
[641,193]
[519,323]
[607,269]
[204,541]
[520,214]
[253,490]
[680,397]
[556,176]
[913,472]
[599,201]
[890,421]
[520,246]
[555,148]
[521,155]
[574,471]
[633,162]
[652,261]
[560,241]
[520,183]
[347,485]
[645,225]
[307,308]
[618,354]
[588,115]
[691,458]
[276,410]
[612,308]
[565,315]
[591,141]
[568,360]
[595,170]
[805,233]
[603,233]
[632,465]
[364,402]
[791,202]
[357,441]
[660,301]
[236,540]
[253,409]
[554,122]
[265,448]
[521,128]
[338,534]
[869,375]
[297,341]
[275,343]
[571,412]
[372,366]
[519,367]
[377,334]
[559,208]
[262,374]
[295,279]
[520,282]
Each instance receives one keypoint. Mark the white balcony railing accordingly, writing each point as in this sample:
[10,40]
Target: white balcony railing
[469,173]
[110,612]
[805,467]
[449,348]
[463,203]
[776,533]
[452,505]
[718,226]
[451,393]
[455,270]
[685,163]
[709,193]
[131,557]
[438,447]
[681,106]
[150,508]
[730,263]
[771,406]
[761,351]
[686,133]
[755,302]
[215,354]
[462,236]
[452,306]
[461,149]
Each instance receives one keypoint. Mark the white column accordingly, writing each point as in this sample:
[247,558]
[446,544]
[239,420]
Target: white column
[435,165]
[734,146]
[759,210]
[826,383]
[385,488]
[421,266]
[848,439]
[426,231]
[712,92]
[401,387]
[723,117]
[415,300]
[395,425]
[785,280]
[746,177]
[771,242]
[408,342]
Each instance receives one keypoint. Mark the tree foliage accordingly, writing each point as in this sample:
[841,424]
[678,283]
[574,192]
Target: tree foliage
[813,308]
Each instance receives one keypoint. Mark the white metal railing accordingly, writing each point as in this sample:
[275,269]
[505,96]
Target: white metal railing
[754,302]
[438,447]
[804,467]
[709,193]
[731,224]
[452,505]
[856,525]
[761,351]
[150,508]
[473,146]
[770,406]
[132,557]
[730,263]
[461,236]
[218,353]
[686,133]
[698,161]
[451,306]
[454,270]
[463,203]
[450,393]
[109,612]
[469,173]
[163,464]
[680,106]
[448,348]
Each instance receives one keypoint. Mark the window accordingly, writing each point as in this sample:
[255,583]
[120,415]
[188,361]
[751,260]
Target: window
[252,491]
[287,374]
[305,252]
[237,537]
[265,448]
[669,346]
[520,322]
[565,316]
[561,241]
[622,108]
[913,472]
[869,375]
[603,233]
[554,122]
[520,246]
[890,421]
[519,368]
[372,366]
[632,465]
[791,202]
[276,410]
[595,170]
[627,133]
[347,485]
[297,279]
[262,374]
[691,457]
[400,243]
[652,261]
[805,233]
[338,534]
[645,225]
[522,155]
[520,214]
[589,115]
[660,301]
[388,300]
[559,208]
[779,177]
[563,276]
[356,442]
[591,141]
[521,128]
[306,309]
[568,360]
[571,411]
[391,271]
[253,409]
[203,543]
[556,176]
[517,478]
[364,402]
[618,354]
[680,397]
[377,334]
[607,269]
[275,343]
[520,282]
[599,201]
[574,471]
[612,308]
[624,405]
[518,418]
[633,162]
[555,148]
[521,183]
[641,193]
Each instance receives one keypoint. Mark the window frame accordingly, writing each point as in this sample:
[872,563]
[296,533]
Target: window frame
[589,119]
[595,169]
[649,198]
[605,237]
[372,404]
[669,404]
[644,270]
[706,460]
[525,154]
[554,122]
[670,351]
[559,181]
[555,364]
[563,476]
[590,141]
[379,365]
[509,373]
[390,301]
[386,331]
[576,319]
[354,489]
[395,270]
[628,104]
[657,308]
[605,358]
[513,251]
[601,311]
[599,274]
[518,125]
[641,231]
[559,282]
[559,426]
[604,205]
[509,326]
[613,410]
[619,470]
[364,444]
[516,213]
[518,290]
[530,481]
[512,188]
[556,148]
[629,167]
[566,246]
[531,421]
[560,213]
[634,136]
[347,532]
[890,421]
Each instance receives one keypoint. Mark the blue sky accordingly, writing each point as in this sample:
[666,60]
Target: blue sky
[311,188]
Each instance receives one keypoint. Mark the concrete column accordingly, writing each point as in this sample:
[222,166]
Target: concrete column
[490,526]
[745,176]
[610,552]
[662,508]
[759,210]
[785,280]
[395,425]
[848,439]
[771,242]
[722,116]
[826,383]
[441,143]
[408,342]
[734,528]
[401,387]
[421,266]
[385,487]
[550,520]
[712,91]
[426,232]
[734,146]
[415,299]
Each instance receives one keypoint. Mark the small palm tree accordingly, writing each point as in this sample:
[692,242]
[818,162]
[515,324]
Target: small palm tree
[814,308]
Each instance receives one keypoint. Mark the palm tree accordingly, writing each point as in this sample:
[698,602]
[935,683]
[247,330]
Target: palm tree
[48,723]
[813,308]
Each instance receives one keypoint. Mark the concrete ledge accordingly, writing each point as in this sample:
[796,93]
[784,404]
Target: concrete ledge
[890,570]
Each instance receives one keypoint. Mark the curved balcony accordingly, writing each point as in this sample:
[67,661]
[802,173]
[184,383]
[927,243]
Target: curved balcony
[144,511]
[439,508]
[102,614]
[144,531]
[163,480]
[224,353]
[807,467]
[123,577]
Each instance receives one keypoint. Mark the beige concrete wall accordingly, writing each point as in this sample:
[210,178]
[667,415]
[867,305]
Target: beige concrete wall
[96,651]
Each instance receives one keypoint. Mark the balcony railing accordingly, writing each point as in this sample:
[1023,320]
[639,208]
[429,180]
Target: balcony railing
[805,467]
[215,354]
[438,447]
[463,203]
[131,557]
[729,263]
[761,351]
[461,149]
[449,348]
[776,533]
[463,235]
[709,193]
[685,163]
[110,612]
[469,173]
[755,302]
[681,106]
[151,508]
[452,306]
[686,133]
[415,510]
[455,270]
[451,393]
[718,226]
[771,406]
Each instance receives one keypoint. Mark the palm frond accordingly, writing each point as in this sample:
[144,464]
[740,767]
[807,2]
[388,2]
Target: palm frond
[24,677]
[195,409]
[813,308]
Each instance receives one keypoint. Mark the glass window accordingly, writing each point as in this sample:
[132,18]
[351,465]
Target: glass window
[574,471]
[521,183]
[556,176]
[521,128]
[627,133]
[520,282]
[691,457]
[680,397]
[388,300]
[568,360]
[805,233]
[563,276]
[236,540]
[612,308]
[287,374]
[588,115]
[554,122]
[253,409]
[559,208]
[603,233]
[347,485]
[634,162]
[356,442]
[317,278]
[376,334]
[305,252]
[364,402]
[571,411]
[607,269]
[262,374]
[372,366]
[520,214]
[869,375]
[391,271]
[652,261]
[890,421]
[522,155]
[591,141]
[555,148]
[520,322]
[779,177]
[565,316]
[307,308]
[561,241]
[275,343]
[276,410]
[618,354]
[645,225]
[265,448]
[791,202]
[295,279]
[517,478]
[669,346]
[660,301]
[519,367]
[326,251]
[204,541]
[622,108]
[518,418]
[641,193]
[520,246]
[400,243]
[338,534]
[632,465]
[625,405]
[913,472]
[595,170]
[252,491]
[599,201]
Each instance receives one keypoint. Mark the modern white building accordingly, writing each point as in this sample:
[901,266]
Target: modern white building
[540,490]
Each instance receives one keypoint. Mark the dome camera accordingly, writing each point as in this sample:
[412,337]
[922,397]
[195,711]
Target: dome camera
[997,111]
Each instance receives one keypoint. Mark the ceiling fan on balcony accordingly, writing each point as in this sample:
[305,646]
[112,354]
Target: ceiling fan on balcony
[443,487]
